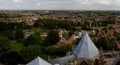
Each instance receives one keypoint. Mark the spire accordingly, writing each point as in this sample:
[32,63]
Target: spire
[38,61]
[86,48]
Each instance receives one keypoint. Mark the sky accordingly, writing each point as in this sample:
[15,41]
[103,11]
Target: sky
[59,4]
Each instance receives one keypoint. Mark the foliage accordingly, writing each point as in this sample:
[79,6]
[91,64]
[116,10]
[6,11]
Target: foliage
[7,15]
[8,33]
[24,50]
[12,30]
[104,43]
[4,26]
[117,36]
[11,58]
[33,40]
[62,50]
[105,23]
[52,38]
[30,52]
[71,32]
[17,25]
[4,44]
[18,34]
[14,46]
[54,24]
[112,38]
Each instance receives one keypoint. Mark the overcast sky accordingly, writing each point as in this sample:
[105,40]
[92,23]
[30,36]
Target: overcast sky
[60,4]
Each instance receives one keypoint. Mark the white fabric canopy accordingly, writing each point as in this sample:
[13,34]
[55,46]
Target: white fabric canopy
[86,48]
[38,61]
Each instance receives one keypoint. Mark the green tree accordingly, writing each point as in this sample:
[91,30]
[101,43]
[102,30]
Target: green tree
[4,26]
[64,49]
[58,51]
[8,33]
[65,24]
[104,43]
[4,44]
[112,38]
[52,38]
[18,34]
[54,24]
[71,32]
[117,36]
[30,52]
[33,40]
[11,58]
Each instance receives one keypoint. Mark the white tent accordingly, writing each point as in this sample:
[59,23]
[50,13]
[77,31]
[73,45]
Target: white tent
[86,48]
[38,61]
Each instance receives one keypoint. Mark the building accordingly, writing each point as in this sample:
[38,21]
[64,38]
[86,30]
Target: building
[85,53]
[27,33]
[38,61]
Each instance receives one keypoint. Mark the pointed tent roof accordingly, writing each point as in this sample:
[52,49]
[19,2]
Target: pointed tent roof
[86,48]
[38,61]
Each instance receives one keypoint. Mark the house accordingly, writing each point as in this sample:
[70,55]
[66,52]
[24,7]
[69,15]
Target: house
[27,33]
[44,34]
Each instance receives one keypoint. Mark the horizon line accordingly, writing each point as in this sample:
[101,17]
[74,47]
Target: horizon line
[51,10]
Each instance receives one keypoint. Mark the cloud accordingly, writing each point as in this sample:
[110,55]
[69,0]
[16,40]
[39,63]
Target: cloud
[38,4]
[17,1]
[117,2]
[1,0]
[80,4]
[61,4]
[105,2]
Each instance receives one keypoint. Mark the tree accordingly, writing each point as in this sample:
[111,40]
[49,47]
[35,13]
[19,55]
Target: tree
[33,40]
[52,38]
[4,26]
[64,49]
[18,34]
[11,58]
[52,50]
[117,36]
[54,24]
[20,25]
[104,43]
[65,24]
[71,32]
[7,33]
[112,38]
[30,52]
[4,44]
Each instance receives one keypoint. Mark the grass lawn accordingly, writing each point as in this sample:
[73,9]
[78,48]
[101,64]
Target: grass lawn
[16,46]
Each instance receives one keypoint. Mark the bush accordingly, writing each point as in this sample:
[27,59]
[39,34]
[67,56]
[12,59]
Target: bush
[30,52]
[52,38]
[58,50]
[104,43]
[11,58]
[32,40]
[4,44]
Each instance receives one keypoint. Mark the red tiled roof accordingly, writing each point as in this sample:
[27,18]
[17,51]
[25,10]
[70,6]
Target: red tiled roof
[116,26]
